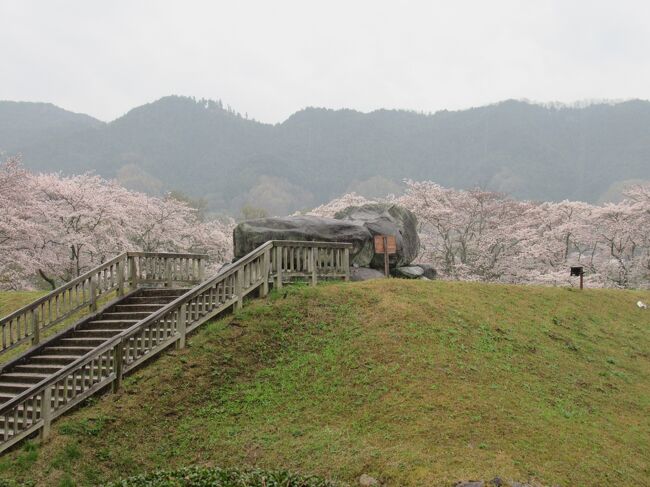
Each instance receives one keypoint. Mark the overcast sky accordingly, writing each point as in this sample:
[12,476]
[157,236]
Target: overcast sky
[271,58]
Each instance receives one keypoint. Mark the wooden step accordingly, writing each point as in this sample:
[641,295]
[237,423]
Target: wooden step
[108,324]
[23,377]
[68,350]
[82,342]
[173,292]
[95,333]
[14,387]
[53,359]
[157,300]
[136,308]
[37,368]
[6,397]
[124,315]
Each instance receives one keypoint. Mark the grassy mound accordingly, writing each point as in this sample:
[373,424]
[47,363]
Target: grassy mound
[414,383]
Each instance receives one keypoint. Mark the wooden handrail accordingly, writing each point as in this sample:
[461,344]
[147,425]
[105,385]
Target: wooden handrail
[167,255]
[26,323]
[170,324]
[61,289]
[306,243]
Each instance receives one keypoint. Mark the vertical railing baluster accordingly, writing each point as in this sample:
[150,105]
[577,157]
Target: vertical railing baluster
[46,412]
[312,265]
[117,367]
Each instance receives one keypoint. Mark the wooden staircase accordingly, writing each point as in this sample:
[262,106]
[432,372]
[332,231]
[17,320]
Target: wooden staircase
[52,356]
[154,308]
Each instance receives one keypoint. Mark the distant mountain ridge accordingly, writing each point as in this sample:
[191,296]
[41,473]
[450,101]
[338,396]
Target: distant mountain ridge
[22,123]
[205,150]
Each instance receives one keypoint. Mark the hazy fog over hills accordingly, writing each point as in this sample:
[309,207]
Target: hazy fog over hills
[206,150]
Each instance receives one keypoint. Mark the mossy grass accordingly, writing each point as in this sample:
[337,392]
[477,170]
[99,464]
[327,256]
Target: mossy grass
[414,383]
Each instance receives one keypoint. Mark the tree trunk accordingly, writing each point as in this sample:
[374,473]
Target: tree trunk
[50,281]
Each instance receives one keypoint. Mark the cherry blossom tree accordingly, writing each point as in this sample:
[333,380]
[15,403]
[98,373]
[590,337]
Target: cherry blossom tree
[471,234]
[17,252]
[53,228]
[330,209]
[58,227]
[482,235]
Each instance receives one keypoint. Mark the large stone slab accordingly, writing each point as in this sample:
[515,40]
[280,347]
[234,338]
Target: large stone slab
[357,225]
[388,219]
[251,234]
[365,274]
[409,272]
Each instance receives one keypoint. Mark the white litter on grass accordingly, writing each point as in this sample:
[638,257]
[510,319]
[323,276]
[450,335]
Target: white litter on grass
[641,304]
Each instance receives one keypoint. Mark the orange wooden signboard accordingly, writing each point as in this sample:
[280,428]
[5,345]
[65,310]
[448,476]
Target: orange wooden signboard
[385,244]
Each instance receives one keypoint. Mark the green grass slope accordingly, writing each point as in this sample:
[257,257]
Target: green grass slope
[12,300]
[414,383]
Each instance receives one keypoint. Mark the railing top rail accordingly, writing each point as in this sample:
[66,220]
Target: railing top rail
[86,275]
[169,255]
[198,289]
[62,288]
[304,243]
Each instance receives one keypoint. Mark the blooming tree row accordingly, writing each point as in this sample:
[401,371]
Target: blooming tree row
[53,228]
[482,235]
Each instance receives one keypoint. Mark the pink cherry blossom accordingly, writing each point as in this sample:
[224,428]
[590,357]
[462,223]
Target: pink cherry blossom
[55,227]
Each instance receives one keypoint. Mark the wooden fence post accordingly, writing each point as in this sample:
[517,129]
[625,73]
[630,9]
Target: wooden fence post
[117,366]
[46,412]
[278,266]
[312,265]
[201,270]
[182,326]
[120,278]
[168,272]
[93,294]
[266,272]
[346,263]
[36,330]
[239,279]
[133,270]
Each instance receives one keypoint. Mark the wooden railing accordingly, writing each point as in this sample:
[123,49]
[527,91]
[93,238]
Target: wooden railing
[273,262]
[127,270]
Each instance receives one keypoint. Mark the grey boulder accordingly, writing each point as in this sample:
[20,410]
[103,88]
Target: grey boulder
[251,234]
[356,224]
[409,272]
[387,219]
[429,271]
[365,274]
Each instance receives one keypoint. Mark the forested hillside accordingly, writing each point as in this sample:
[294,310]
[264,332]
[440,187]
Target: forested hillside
[205,150]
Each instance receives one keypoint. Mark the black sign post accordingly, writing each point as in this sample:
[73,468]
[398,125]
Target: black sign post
[578,270]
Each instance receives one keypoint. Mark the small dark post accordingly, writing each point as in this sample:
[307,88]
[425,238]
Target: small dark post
[578,270]
[581,278]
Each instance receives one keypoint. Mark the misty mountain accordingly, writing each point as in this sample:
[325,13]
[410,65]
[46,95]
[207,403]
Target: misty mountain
[202,149]
[23,124]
